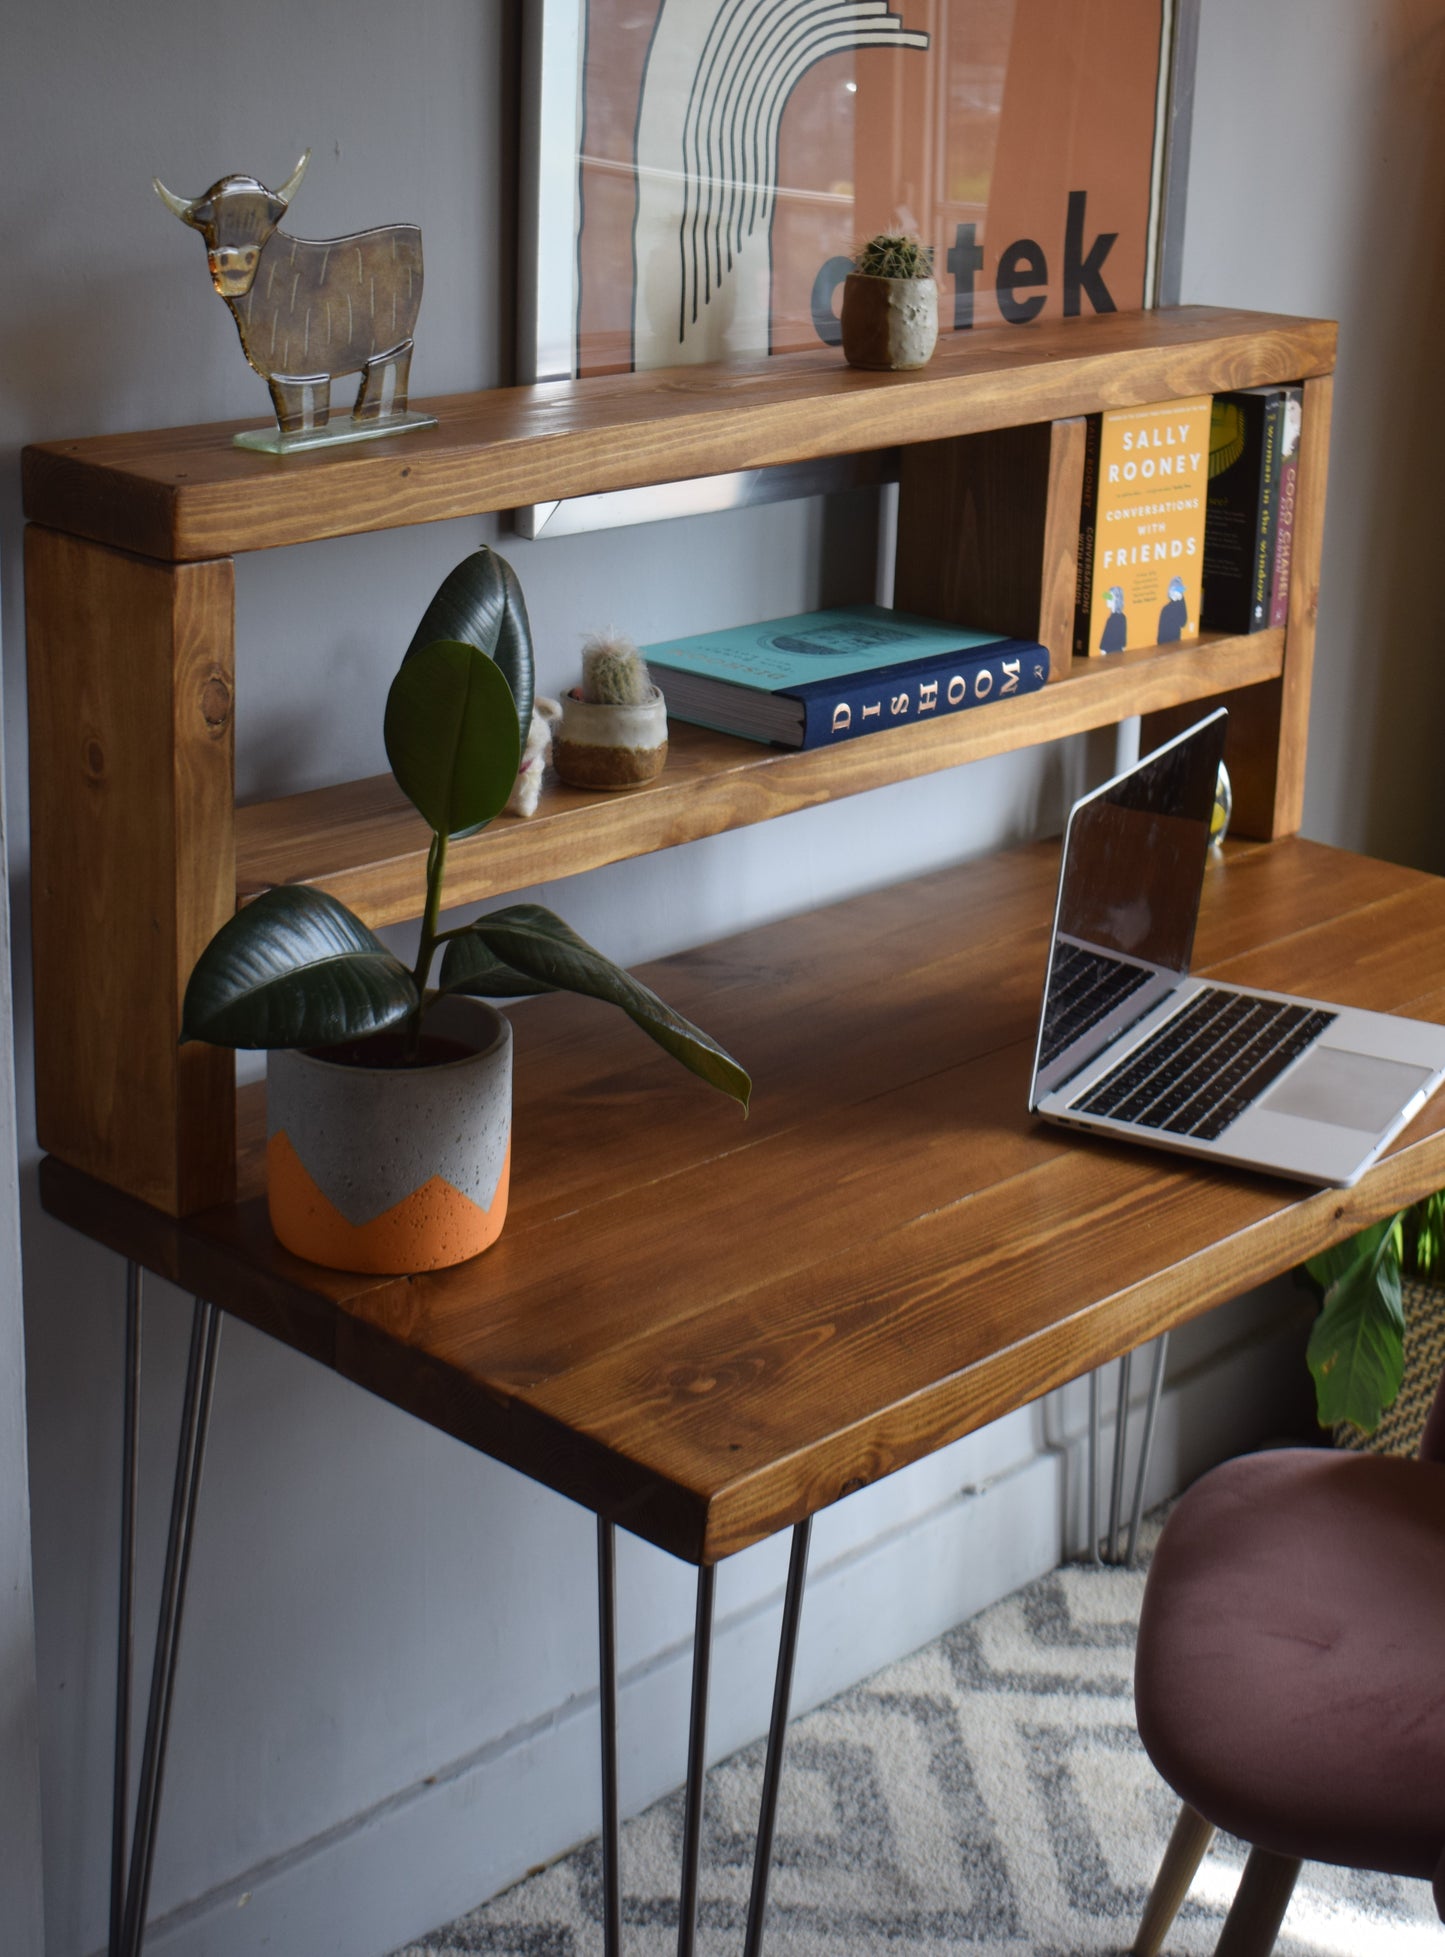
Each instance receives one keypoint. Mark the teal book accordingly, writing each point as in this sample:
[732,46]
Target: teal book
[827,676]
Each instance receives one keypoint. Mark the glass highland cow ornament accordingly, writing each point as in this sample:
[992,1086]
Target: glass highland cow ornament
[311,309]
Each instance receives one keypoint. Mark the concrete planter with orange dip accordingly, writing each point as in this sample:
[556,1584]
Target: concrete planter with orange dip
[392,1169]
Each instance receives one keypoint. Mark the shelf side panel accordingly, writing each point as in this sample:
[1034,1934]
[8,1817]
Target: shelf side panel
[988,531]
[131,681]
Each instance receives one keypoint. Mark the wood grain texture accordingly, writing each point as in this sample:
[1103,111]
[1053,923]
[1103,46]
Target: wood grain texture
[188,493]
[1267,740]
[1059,584]
[988,532]
[132,860]
[707,1329]
[363,842]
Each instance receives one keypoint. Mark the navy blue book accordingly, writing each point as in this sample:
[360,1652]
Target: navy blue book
[830,676]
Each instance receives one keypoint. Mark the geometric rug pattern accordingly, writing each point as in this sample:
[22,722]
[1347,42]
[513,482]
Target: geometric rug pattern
[987,1796]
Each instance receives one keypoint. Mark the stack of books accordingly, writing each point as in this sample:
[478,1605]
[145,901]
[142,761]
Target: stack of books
[1187,519]
[826,676]
[1249,523]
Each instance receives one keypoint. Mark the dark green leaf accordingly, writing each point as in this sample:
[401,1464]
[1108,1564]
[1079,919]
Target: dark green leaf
[481,603]
[468,966]
[532,942]
[294,968]
[451,736]
[1357,1348]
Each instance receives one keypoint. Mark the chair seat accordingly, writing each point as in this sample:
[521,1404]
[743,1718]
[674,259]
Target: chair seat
[1290,1678]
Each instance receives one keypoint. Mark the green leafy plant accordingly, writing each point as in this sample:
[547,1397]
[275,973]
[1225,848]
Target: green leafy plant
[296,968]
[894,255]
[1356,1352]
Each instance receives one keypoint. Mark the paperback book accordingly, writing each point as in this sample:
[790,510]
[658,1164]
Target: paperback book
[1284,528]
[826,676]
[1141,531]
[1247,439]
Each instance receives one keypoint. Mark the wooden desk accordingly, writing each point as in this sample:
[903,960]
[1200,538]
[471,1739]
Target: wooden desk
[706,1330]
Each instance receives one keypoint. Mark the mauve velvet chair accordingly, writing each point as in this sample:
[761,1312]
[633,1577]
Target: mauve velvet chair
[1290,1676]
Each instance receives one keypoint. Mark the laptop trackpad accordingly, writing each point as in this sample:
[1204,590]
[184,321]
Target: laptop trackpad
[1348,1090]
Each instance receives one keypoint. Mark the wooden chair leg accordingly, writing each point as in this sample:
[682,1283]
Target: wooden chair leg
[1259,1905]
[1191,1837]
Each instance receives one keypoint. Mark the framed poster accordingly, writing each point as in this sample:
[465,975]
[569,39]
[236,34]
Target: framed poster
[699,173]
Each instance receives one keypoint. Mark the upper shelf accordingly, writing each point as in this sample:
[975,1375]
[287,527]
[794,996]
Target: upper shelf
[188,493]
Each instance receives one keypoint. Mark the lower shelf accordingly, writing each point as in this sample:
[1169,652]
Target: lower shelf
[707,1328]
[363,842]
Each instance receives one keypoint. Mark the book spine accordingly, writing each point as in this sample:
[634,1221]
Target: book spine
[866,706]
[1232,518]
[1265,532]
[1284,526]
[1088,527]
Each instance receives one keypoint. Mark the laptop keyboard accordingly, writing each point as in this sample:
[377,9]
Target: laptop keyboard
[1207,1064]
[1083,988]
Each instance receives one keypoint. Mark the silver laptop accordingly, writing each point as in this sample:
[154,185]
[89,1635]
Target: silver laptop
[1129,1044]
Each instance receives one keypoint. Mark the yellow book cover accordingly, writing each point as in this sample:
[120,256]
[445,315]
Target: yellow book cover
[1142,542]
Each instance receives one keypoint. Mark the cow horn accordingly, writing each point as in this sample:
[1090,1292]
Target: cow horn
[177,206]
[289,188]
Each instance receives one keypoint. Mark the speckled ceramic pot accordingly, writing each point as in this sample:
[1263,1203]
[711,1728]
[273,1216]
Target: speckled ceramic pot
[391,1169]
[889,324]
[597,746]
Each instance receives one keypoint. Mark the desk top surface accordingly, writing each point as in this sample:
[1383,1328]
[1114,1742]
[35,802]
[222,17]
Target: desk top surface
[707,1328]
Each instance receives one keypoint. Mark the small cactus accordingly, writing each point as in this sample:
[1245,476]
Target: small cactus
[614,673]
[894,256]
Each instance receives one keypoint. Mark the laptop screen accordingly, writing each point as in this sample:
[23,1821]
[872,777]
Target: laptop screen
[1129,885]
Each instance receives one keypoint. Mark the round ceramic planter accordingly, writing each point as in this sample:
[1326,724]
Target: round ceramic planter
[595,746]
[889,324]
[393,1169]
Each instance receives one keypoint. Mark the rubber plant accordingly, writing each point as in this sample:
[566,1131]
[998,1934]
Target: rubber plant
[296,968]
[1356,1352]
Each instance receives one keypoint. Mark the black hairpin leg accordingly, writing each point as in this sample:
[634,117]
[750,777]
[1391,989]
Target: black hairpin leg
[130,1456]
[611,1831]
[1096,1442]
[1156,1389]
[777,1733]
[129,1895]
[696,1763]
[1121,1442]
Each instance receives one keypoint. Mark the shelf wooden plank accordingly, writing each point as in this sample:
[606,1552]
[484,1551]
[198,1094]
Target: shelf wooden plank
[363,842]
[706,1328]
[188,493]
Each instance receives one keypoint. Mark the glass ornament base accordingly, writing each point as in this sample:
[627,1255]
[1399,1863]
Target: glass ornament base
[274,441]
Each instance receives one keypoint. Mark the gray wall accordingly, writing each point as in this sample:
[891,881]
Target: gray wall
[384,1707]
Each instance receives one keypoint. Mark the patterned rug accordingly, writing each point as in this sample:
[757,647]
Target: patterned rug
[986,1796]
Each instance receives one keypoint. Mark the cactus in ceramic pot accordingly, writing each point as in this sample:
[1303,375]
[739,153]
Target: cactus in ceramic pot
[614,673]
[613,732]
[890,304]
[894,255]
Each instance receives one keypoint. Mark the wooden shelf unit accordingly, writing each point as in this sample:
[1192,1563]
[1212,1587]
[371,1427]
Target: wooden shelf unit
[139,854]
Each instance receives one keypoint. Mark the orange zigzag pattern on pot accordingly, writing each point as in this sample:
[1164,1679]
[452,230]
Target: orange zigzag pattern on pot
[434,1226]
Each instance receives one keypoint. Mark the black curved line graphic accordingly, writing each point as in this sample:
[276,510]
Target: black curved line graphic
[691,173]
[827,38]
[731,130]
[747,38]
[718,36]
[768,74]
